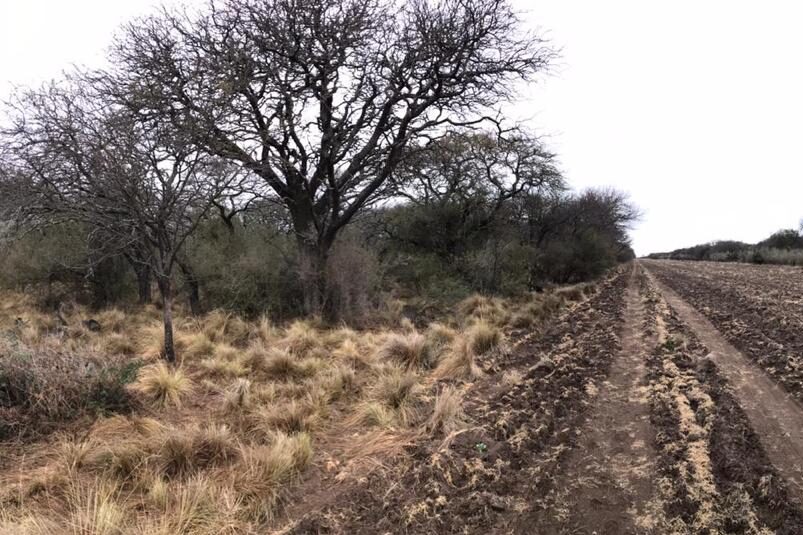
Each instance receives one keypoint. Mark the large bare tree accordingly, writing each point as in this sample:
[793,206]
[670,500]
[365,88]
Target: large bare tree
[320,98]
[140,184]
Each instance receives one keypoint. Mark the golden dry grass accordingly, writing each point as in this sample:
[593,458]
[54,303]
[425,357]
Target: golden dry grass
[410,349]
[162,385]
[221,436]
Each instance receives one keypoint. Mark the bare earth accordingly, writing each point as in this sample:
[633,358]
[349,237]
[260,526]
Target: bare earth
[647,418]
[606,486]
[776,415]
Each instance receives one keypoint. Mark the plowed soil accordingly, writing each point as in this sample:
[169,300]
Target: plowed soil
[661,404]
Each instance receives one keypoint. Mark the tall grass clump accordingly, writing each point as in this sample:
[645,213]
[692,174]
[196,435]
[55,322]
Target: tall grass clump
[410,350]
[162,385]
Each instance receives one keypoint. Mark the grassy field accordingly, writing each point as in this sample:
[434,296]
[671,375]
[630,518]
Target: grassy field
[101,437]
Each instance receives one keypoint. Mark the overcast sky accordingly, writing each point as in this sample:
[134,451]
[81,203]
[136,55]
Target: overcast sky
[694,108]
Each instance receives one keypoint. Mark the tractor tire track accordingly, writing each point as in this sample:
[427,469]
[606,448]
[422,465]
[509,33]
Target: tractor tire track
[774,414]
[606,484]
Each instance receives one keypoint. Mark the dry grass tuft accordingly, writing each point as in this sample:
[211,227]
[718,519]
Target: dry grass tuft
[447,413]
[151,341]
[89,509]
[410,350]
[198,506]
[407,325]
[292,417]
[350,353]
[238,396]
[73,455]
[214,444]
[459,362]
[222,327]
[121,460]
[113,319]
[119,344]
[339,380]
[301,338]
[217,367]
[162,385]
[184,451]
[264,469]
[339,336]
[572,293]
[264,331]
[479,307]
[473,303]
[396,387]
[283,366]
[375,414]
[484,337]
[198,346]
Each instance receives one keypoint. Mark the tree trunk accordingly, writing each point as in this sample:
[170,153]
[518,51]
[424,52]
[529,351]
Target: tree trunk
[143,284]
[193,287]
[313,279]
[166,290]
[313,248]
[143,273]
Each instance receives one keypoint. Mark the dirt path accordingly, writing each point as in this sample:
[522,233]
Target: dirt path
[607,481]
[774,414]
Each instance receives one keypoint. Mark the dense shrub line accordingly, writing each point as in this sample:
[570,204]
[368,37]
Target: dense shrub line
[783,247]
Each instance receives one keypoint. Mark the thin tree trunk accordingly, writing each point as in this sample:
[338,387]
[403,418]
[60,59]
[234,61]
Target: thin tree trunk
[143,284]
[166,289]
[193,286]
[143,273]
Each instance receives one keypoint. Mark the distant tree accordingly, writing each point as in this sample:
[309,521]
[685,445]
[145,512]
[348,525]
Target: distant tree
[321,100]
[137,185]
[784,239]
[459,186]
[577,235]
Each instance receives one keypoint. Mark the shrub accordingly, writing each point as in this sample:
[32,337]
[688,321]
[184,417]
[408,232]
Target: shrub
[42,388]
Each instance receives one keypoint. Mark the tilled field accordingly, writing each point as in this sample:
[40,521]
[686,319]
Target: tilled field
[759,309]
[618,418]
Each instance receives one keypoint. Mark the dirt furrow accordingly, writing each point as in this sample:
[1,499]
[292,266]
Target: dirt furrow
[776,416]
[606,482]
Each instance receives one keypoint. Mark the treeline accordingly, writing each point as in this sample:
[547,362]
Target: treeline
[434,255]
[298,158]
[782,247]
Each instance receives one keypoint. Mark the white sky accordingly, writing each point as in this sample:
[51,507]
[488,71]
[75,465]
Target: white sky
[695,108]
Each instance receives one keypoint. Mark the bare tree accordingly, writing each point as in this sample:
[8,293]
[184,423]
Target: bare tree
[140,184]
[321,99]
[477,165]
